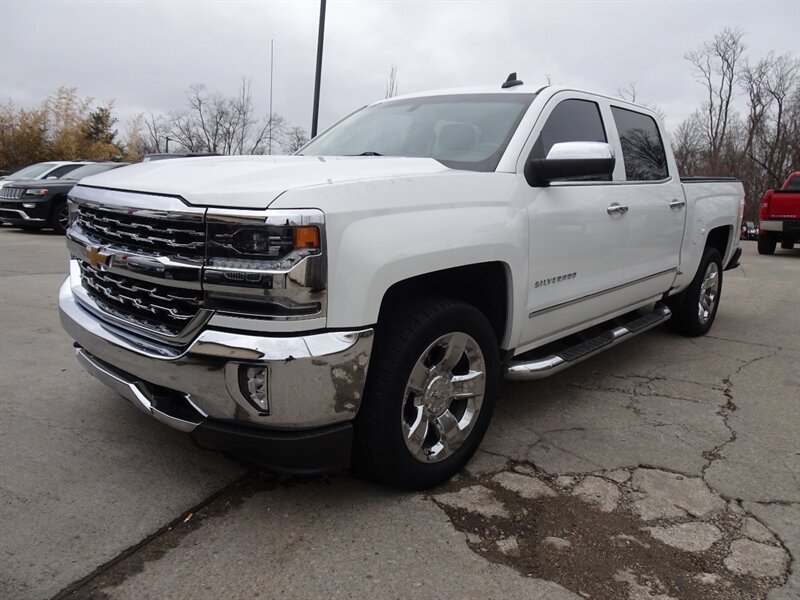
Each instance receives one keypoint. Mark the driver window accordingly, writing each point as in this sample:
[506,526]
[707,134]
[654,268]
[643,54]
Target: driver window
[571,121]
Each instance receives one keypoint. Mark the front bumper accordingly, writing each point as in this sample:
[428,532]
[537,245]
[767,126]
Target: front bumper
[315,385]
[16,214]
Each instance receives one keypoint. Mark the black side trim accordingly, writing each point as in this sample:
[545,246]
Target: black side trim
[302,452]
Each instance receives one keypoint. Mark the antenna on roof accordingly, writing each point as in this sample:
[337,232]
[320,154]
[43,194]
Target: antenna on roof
[511,81]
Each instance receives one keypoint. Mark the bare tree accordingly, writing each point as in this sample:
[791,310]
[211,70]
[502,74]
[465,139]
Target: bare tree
[296,138]
[772,86]
[157,131]
[688,147]
[223,125]
[628,93]
[716,68]
[391,83]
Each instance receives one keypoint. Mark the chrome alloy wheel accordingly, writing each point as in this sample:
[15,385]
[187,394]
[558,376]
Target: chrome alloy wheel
[709,291]
[443,397]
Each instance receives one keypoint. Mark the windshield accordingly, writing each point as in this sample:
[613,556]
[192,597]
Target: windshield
[31,172]
[460,131]
[87,170]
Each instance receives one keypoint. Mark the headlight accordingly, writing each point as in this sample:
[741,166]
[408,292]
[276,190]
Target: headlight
[261,246]
[36,192]
[270,265]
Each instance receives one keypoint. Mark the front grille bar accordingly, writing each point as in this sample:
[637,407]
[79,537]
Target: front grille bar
[9,193]
[139,261]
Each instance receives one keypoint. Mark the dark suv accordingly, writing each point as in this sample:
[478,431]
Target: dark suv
[36,204]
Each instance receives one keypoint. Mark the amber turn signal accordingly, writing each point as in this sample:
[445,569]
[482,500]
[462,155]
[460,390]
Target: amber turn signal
[306,237]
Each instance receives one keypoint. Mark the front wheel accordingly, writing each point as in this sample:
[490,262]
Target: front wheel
[694,309]
[59,219]
[430,393]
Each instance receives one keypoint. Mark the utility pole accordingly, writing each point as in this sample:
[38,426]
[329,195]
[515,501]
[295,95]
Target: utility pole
[271,58]
[321,36]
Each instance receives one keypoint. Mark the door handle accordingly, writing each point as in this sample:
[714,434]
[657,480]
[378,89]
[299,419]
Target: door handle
[617,209]
[677,203]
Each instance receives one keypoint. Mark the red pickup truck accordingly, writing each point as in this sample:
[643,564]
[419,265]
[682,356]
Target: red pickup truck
[780,216]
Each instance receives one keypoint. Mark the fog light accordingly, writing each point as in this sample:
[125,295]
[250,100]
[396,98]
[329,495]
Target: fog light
[28,205]
[254,383]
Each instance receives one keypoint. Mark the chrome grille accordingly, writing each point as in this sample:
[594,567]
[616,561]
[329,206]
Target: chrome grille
[160,308]
[10,193]
[136,231]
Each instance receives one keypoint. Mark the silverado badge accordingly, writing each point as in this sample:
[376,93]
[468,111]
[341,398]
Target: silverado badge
[96,257]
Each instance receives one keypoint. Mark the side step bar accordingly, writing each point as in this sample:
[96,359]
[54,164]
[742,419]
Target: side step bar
[549,365]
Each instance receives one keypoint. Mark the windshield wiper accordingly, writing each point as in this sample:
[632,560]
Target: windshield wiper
[367,153]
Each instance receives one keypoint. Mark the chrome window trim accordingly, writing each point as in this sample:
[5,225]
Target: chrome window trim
[613,182]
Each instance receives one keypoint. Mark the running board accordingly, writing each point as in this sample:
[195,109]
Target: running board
[549,365]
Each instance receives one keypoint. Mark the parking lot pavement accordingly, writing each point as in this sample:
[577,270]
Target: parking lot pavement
[666,468]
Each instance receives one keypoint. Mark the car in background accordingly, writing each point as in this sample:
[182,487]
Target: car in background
[779,219]
[36,204]
[749,231]
[53,169]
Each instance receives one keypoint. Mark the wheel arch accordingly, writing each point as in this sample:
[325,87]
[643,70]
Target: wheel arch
[488,286]
[720,238]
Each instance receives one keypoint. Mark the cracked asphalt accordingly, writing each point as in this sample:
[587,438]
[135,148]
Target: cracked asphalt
[663,468]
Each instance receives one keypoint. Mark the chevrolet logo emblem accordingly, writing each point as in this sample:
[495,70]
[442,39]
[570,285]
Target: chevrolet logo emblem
[96,257]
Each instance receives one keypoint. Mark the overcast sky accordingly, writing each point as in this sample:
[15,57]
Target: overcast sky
[144,55]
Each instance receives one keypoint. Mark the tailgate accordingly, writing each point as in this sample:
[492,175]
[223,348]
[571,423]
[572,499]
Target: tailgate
[784,204]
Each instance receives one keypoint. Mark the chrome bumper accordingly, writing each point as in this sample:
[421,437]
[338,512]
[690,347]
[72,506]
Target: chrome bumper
[314,380]
[771,225]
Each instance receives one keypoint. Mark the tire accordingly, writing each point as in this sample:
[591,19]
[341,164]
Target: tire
[411,432]
[59,217]
[787,245]
[694,309]
[766,244]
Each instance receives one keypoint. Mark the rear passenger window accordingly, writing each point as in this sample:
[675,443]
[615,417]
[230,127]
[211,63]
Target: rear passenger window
[570,121]
[642,148]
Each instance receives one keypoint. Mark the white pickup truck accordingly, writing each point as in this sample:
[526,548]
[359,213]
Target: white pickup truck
[360,302]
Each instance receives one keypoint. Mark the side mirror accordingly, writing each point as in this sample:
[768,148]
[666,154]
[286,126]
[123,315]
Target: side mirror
[571,161]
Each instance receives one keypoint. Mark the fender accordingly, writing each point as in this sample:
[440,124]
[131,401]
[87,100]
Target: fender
[382,232]
[710,206]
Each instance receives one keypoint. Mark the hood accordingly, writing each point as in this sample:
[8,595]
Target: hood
[253,181]
[38,183]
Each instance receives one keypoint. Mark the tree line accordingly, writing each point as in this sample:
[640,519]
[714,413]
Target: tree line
[66,126]
[759,145]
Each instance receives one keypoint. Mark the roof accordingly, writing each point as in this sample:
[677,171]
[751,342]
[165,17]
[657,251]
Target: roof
[518,89]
